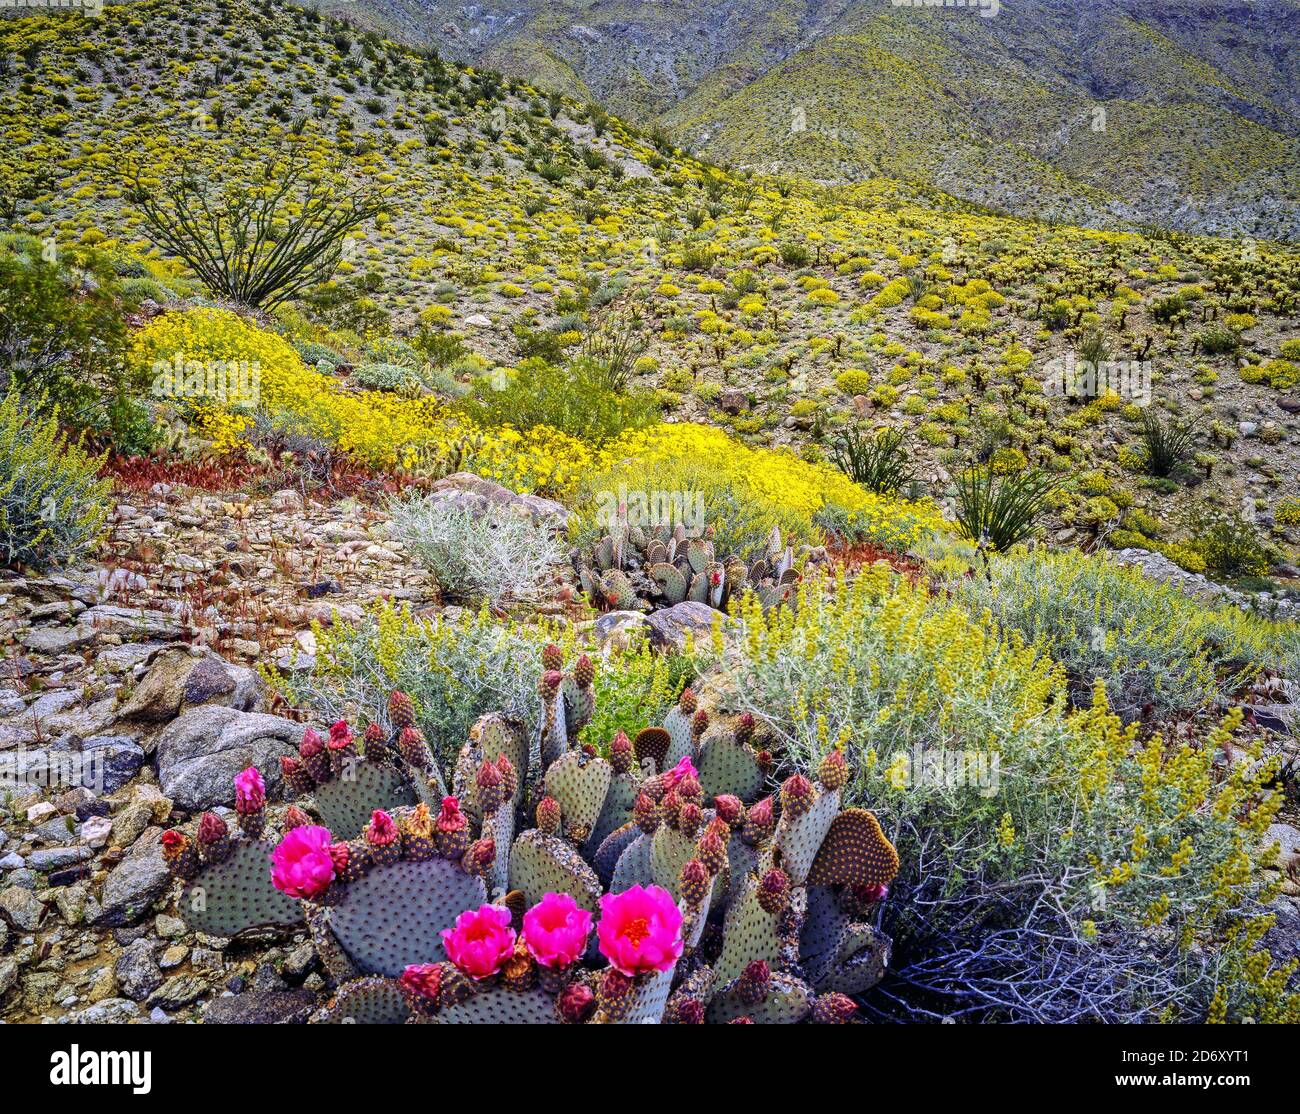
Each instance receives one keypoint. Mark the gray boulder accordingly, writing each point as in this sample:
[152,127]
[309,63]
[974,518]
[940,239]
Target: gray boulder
[178,679]
[135,883]
[200,752]
[477,495]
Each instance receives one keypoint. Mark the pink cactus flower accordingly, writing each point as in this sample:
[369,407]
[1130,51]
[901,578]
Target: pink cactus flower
[684,769]
[640,929]
[481,941]
[250,791]
[382,830]
[301,865]
[556,930]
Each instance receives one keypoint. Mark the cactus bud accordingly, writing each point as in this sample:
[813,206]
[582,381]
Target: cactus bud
[620,753]
[759,823]
[699,724]
[687,702]
[401,711]
[179,855]
[695,881]
[413,748]
[646,813]
[834,1009]
[509,776]
[548,815]
[729,809]
[552,658]
[294,817]
[451,832]
[689,819]
[420,985]
[712,852]
[576,1003]
[753,982]
[295,776]
[774,892]
[745,728]
[584,672]
[833,771]
[491,789]
[797,796]
[481,857]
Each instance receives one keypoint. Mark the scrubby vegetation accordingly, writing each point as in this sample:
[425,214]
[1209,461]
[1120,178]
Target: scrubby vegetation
[834,473]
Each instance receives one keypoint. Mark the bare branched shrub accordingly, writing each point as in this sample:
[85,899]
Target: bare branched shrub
[257,242]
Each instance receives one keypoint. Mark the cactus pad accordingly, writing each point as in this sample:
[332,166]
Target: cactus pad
[681,742]
[373,1000]
[787,1002]
[345,803]
[541,863]
[837,953]
[611,850]
[651,743]
[855,852]
[616,811]
[499,1006]
[749,933]
[670,850]
[633,866]
[393,916]
[579,783]
[236,895]
[798,839]
[729,766]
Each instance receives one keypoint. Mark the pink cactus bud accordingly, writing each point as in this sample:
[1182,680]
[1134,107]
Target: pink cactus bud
[250,791]
[212,829]
[576,1003]
[382,830]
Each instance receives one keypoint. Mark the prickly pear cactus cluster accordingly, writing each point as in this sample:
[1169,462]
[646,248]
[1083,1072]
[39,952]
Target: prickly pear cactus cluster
[643,569]
[227,881]
[670,877]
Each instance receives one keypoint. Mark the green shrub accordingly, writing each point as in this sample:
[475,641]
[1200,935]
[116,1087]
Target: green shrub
[496,556]
[62,332]
[570,398]
[52,506]
[879,463]
[1001,511]
[1147,641]
[1032,837]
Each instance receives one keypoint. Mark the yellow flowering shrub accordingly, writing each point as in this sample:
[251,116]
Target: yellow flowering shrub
[1020,821]
[378,428]
[746,491]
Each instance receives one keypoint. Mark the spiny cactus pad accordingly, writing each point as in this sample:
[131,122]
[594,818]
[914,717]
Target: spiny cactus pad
[499,1006]
[579,783]
[669,852]
[787,1002]
[236,895]
[749,933]
[728,766]
[798,839]
[633,866]
[652,743]
[540,863]
[836,953]
[392,917]
[855,852]
[616,811]
[611,850]
[346,802]
[373,1000]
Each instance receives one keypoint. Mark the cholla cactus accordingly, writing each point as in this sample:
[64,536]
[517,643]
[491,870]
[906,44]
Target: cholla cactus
[638,570]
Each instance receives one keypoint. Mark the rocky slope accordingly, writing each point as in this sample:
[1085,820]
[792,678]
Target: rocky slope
[1107,112]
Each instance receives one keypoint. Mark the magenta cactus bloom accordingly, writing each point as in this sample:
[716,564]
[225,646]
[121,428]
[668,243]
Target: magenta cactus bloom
[382,829]
[481,941]
[250,790]
[556,930]
[640,929]
[684,769]
[301,865]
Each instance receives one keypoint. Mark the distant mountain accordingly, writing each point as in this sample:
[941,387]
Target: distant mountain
[1183,113]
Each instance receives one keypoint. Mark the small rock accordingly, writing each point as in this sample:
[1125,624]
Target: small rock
[733,402]
[57,858]
[135,883]
[168,927]
[37,813]
[173,956]
[137,971]
[8,975]
[20,907]
[178,991]
[201,751]
[272,1007]
[95,831]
